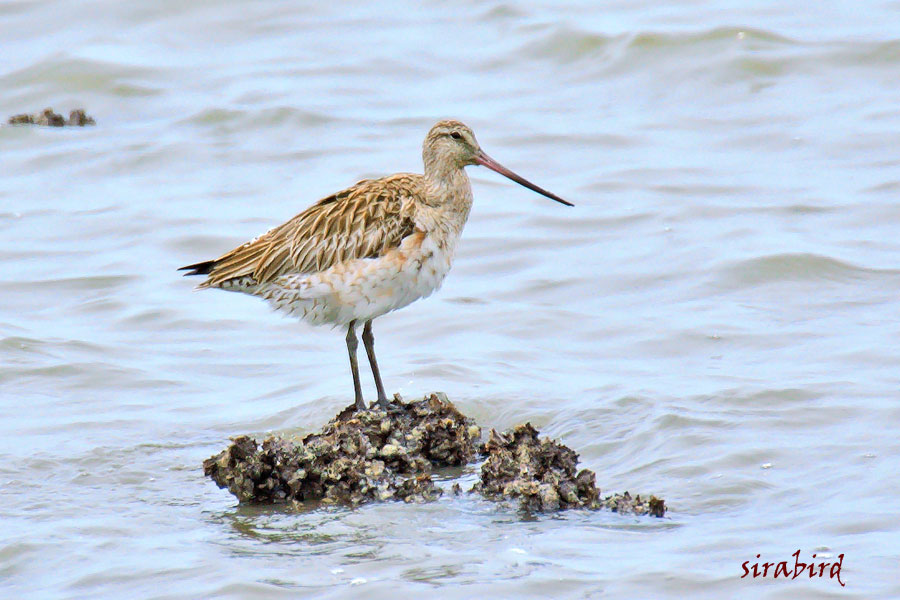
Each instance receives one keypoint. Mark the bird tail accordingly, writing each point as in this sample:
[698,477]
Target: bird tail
[200,268]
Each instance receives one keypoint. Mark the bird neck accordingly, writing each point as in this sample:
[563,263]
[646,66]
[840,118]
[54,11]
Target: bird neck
[440,166]
[448,186]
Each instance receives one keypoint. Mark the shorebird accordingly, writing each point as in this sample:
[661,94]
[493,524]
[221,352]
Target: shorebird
[367,250]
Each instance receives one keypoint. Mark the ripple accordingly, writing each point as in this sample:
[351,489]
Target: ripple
[718,34]
[793,267]
[72,284]
[565,45]
[240,119]
[82,75]
[871,54]
[24,345]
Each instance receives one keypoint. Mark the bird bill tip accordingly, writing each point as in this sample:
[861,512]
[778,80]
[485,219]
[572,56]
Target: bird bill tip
[486,161]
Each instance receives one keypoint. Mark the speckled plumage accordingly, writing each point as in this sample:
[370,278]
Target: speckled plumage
[357,254]
[367,250]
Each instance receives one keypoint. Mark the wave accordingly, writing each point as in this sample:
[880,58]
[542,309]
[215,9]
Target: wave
[794,267]
[741,50]
[83,75]
[280,115]
[568,45]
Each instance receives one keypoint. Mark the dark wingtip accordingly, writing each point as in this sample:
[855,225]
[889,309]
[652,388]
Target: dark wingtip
[200,268]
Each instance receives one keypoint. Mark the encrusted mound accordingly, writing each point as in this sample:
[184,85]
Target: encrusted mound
[358,457]
[77,118]
[389,455]
[539,473]
[542,475]
[626,504]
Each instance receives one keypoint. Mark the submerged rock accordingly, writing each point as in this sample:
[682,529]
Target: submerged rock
[49,118]
[364,456]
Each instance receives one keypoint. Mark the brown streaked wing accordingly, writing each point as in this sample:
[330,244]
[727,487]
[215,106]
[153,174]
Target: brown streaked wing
[363,221]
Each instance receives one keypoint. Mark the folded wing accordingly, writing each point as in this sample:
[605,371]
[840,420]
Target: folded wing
[363,221]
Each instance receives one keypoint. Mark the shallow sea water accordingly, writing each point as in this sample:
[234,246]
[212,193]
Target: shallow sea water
[715,322]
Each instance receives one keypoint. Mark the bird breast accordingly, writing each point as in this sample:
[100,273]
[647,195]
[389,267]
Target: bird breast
[366,288]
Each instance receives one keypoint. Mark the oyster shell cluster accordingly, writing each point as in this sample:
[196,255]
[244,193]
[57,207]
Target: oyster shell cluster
[377,455]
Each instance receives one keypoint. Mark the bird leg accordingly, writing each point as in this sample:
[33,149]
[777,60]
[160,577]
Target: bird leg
[369,342]
[352,344]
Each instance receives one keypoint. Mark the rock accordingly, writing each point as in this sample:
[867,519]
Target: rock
[540,474]
[358,457]
[22,119]
[626,504]
[49,118]
[78,118]
[377,455]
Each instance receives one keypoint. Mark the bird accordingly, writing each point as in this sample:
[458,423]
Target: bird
[365,251]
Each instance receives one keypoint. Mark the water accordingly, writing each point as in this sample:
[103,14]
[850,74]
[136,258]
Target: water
[714,322]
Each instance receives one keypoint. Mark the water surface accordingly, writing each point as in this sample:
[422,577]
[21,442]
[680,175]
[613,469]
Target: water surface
[714,322]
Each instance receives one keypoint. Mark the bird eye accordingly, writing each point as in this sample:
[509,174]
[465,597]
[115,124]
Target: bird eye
[455,135]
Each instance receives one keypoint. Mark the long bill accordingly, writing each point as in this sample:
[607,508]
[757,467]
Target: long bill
[486,161]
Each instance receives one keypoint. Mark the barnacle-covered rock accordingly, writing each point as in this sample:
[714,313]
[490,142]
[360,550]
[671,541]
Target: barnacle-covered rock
[626,504]
[540,474]
[376,455]
[358,457]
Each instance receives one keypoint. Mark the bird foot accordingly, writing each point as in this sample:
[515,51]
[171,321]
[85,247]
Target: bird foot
[381,404]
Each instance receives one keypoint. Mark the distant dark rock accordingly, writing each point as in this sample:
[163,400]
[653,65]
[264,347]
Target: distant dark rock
[78,118]
[22,119]
[48,118]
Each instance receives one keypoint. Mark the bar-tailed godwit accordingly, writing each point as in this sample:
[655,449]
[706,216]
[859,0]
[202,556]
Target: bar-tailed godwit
[367,250]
